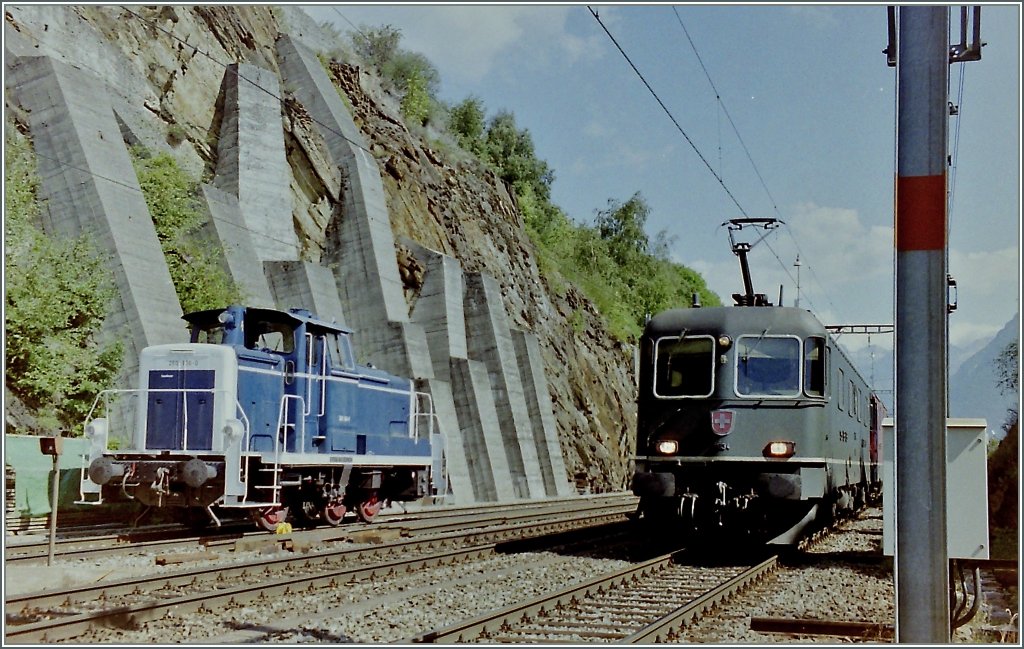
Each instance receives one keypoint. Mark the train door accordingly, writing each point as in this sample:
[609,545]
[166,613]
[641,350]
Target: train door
[179,411]
[314,392]
[339,425]
[875,435]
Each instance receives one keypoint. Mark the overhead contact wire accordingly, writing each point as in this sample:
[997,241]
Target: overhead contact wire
[667,111]
[757,172]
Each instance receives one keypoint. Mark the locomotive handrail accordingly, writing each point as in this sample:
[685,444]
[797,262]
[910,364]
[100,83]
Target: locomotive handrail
[430,414]
[282,425]
[243,467]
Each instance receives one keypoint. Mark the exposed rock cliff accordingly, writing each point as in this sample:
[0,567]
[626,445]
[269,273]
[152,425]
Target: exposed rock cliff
[164,67]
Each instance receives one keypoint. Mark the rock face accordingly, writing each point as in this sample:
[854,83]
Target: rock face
[165,73]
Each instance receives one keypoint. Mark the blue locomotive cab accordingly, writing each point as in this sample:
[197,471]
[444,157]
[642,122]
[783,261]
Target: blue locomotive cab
[274,414]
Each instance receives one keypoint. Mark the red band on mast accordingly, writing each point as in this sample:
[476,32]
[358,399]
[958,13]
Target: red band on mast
[921,213]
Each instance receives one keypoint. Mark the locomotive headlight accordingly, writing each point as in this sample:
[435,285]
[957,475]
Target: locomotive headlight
[724,342]
[667,446]
[779,449]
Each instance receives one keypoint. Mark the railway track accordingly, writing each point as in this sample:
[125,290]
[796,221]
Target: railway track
[66,613]
[636,605]
[164,539]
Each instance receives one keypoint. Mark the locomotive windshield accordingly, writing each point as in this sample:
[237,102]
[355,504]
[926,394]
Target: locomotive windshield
[684,367]
[768,366]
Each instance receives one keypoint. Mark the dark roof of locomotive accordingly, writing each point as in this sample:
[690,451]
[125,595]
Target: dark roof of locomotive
[294,316]
[736,320]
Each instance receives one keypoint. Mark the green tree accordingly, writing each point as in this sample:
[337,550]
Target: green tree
[405,66]
[415,103]
[376,45]
[622,225]
[1003,465]
[511,152]
[54,309]
[409,73]
[1006,369]
[466,121]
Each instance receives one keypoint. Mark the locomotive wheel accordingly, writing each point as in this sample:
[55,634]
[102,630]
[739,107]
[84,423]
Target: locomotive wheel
[333,513]
[368,509]
[269,518]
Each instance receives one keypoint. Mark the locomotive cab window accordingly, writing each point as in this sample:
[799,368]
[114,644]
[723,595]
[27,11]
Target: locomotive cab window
[684,367]
[272,336]
[212,334]
[340,348]
[768,366]
[814,367]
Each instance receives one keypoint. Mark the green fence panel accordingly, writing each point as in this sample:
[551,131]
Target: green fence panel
[33,473]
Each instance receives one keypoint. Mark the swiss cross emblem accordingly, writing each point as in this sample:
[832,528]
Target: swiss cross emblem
[721,421]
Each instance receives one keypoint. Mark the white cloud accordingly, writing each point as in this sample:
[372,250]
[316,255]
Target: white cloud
[467,42]
[988,274]
[987,292]
[846,265]
[964,333]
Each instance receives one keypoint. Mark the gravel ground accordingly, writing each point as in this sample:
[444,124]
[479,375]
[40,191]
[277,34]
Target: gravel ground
[836,591]
[843,591]
[397,608]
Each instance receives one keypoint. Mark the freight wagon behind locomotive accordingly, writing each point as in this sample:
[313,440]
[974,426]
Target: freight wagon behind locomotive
[263,411]
[752,420]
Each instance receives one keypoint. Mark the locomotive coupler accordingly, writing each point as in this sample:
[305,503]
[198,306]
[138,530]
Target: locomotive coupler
[742,502]
[691,510]
[721,501]
[160,485]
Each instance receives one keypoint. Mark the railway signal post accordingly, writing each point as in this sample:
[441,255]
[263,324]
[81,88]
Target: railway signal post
[53,446]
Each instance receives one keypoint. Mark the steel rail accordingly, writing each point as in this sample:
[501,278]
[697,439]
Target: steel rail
[671,624]
[497,621]
[53,630]
[22,604]
[414,522]
[469,630]
[427,525]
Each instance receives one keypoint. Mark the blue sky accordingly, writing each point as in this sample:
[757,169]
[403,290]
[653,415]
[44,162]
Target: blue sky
[813,100]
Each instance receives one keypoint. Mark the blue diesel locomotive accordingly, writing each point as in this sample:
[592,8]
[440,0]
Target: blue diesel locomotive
[265,411]
[751,421]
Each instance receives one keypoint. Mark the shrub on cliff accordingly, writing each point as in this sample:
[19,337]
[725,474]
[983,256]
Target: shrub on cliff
[628,274]
[466,121]
[625,273]
[57,293]
[613,262]
[172,198]
[410,73]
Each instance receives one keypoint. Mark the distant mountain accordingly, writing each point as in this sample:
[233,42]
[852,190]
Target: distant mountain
[973,391]
[957,354]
